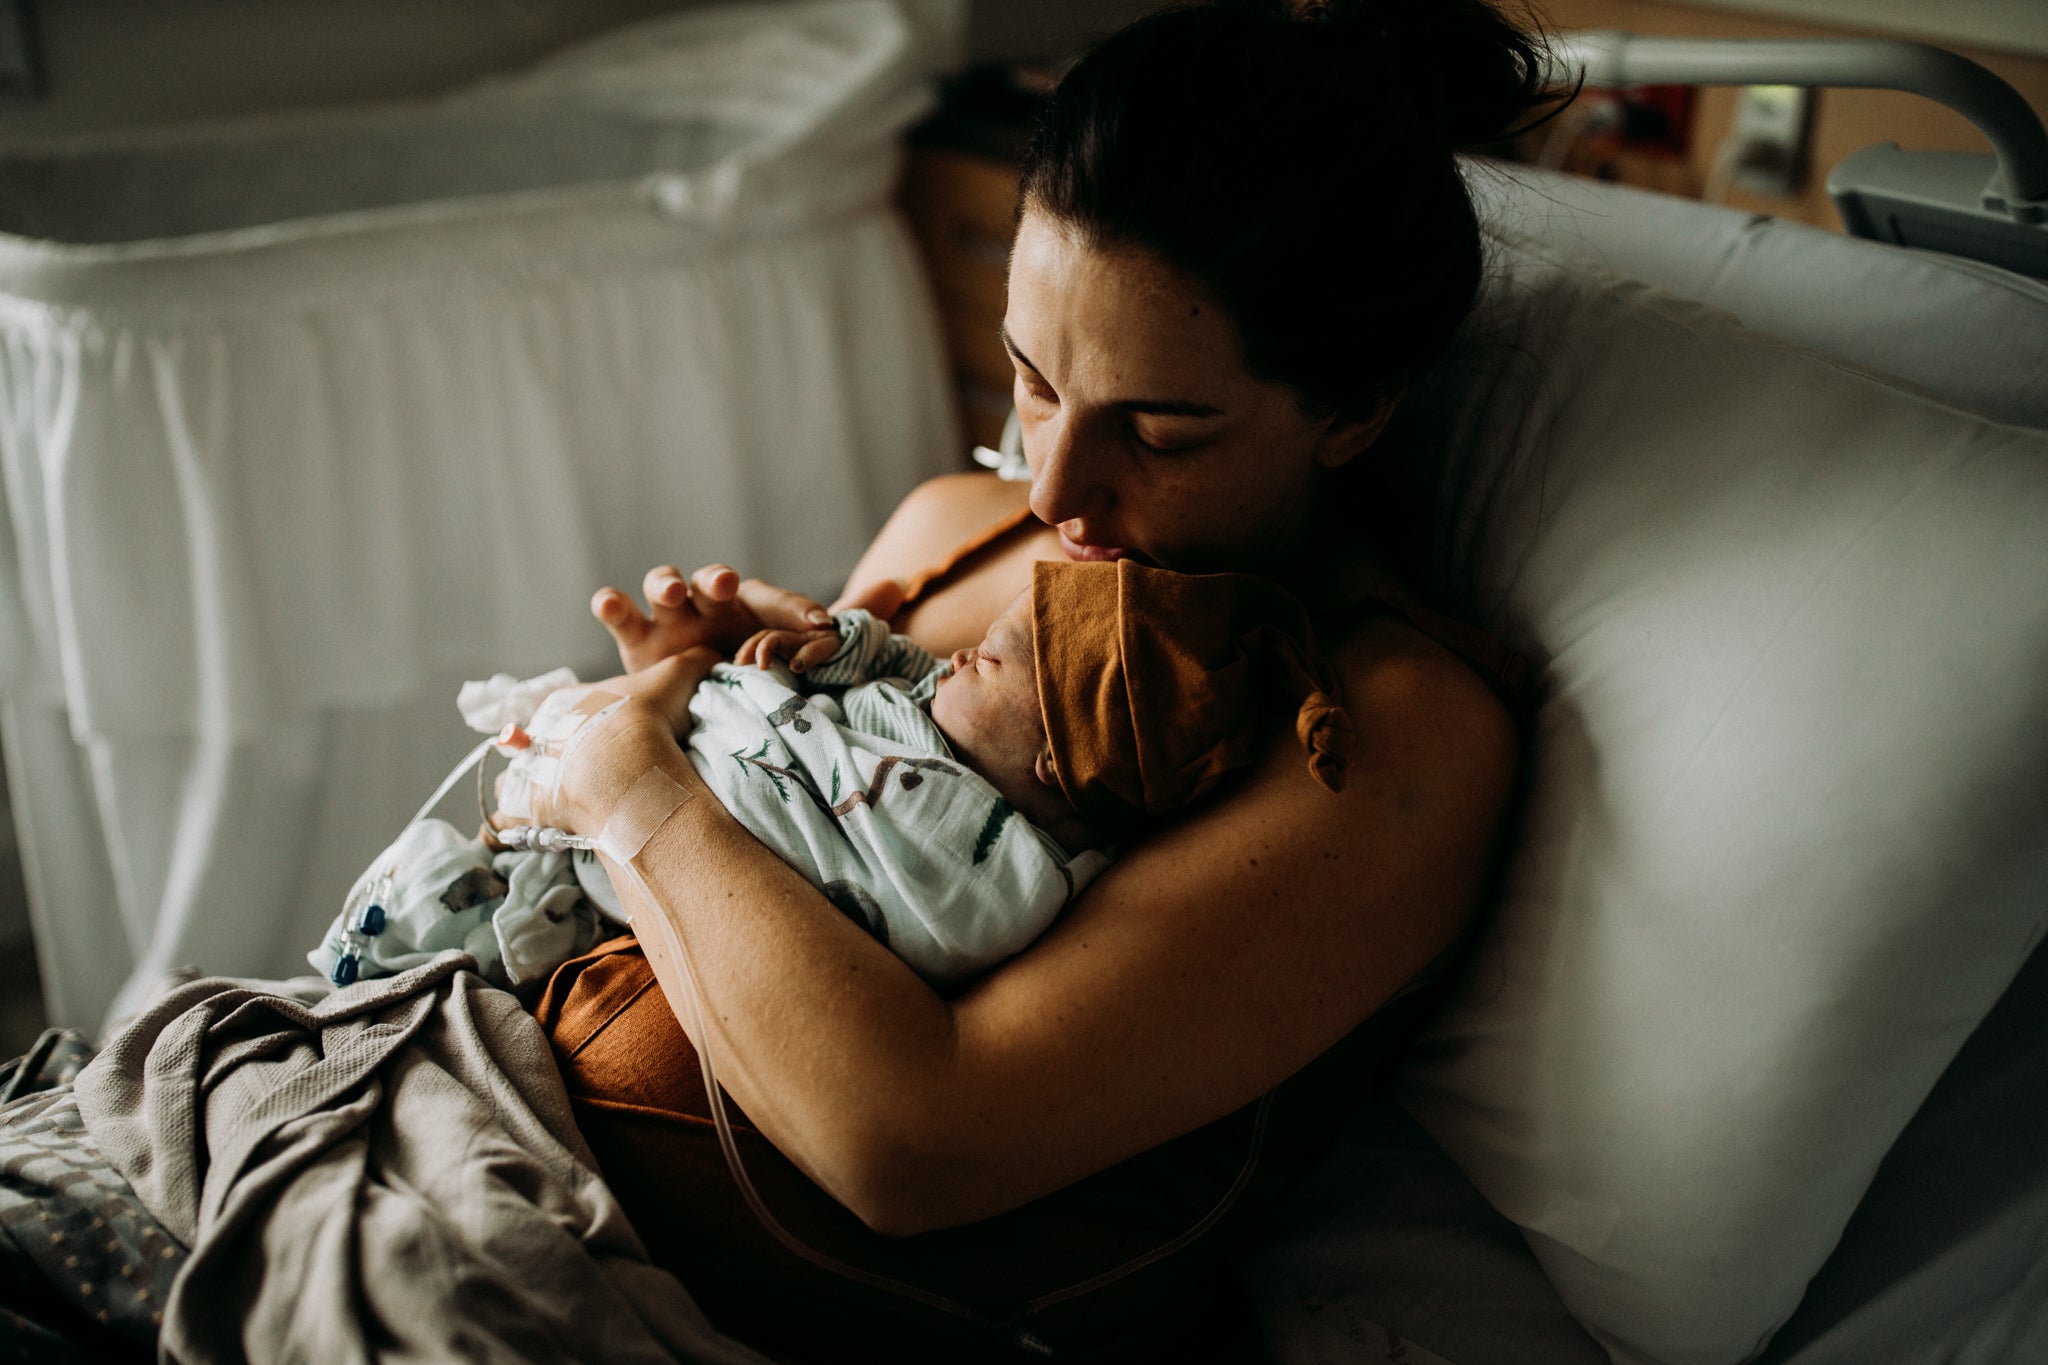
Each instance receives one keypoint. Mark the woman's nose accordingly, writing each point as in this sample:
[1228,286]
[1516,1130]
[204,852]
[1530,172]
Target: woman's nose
[1066,479]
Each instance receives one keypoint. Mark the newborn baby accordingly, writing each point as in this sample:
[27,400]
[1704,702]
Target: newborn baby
[952,809]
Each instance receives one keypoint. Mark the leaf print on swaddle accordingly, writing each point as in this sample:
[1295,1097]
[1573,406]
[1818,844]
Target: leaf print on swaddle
[776,772]
[992,828]
[877,785]
[782,775]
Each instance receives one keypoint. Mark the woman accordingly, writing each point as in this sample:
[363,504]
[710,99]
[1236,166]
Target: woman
[1241,233]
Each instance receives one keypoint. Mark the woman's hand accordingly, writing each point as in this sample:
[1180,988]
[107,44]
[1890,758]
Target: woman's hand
[604,759]
[713,607]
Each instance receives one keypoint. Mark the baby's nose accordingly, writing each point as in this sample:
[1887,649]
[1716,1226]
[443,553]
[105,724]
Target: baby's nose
[961,658]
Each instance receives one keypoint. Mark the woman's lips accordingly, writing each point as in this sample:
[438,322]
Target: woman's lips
[1083,551]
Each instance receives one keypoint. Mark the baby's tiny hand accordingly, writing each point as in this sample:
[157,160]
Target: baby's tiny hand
[802,648]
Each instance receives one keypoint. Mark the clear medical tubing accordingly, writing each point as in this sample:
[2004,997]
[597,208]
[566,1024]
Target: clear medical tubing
[1612,58]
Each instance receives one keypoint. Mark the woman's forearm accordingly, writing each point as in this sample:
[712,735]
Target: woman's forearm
[834,1048]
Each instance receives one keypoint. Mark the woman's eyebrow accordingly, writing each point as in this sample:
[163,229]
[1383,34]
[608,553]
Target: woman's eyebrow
[1010,345]
[1155,407]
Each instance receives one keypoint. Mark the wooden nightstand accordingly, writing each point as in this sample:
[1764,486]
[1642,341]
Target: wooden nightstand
[960,195]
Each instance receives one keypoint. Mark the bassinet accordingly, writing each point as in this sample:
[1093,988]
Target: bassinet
[306,419]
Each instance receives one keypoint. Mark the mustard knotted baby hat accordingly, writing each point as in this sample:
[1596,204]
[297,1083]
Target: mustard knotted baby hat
[1151,683]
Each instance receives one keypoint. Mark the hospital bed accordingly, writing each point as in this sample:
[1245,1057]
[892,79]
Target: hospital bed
[1746,1059]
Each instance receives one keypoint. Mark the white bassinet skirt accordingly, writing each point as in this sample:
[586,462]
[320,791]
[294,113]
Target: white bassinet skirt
[305,421]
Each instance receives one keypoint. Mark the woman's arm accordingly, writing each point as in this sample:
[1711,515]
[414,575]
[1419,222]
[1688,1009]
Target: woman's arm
[1199,971]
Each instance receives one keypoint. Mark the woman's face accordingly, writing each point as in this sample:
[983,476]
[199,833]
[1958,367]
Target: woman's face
[1145,434]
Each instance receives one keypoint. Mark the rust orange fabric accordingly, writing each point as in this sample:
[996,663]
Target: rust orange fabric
[1152,682]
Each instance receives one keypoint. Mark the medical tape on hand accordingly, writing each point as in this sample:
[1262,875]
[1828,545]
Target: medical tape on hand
[646,807]
[564,720]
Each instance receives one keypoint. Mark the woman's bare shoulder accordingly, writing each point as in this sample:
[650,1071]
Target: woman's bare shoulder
[935,517]
[1400,681]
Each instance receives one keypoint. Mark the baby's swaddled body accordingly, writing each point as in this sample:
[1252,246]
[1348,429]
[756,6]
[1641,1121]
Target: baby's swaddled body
[842,774]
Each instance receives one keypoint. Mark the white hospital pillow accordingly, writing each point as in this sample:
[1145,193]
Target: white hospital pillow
[1873,305]
[1786,835]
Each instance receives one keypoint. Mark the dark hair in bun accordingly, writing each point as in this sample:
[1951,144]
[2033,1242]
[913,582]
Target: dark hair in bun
[1298,161]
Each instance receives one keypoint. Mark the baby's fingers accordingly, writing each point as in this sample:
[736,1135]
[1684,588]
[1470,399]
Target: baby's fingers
[816,649]
[758,650]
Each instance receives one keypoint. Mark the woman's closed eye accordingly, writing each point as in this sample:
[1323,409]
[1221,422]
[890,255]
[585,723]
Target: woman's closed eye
[1161,445]
[1036,389]
[1169,437]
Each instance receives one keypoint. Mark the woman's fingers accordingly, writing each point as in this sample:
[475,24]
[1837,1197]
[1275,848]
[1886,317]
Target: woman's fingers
[616,613]
[712,606]
[781,609]
[682,612]
[664,588]
[717,583]
[622,620]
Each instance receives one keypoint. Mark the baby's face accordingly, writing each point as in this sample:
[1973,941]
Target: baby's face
[988,709]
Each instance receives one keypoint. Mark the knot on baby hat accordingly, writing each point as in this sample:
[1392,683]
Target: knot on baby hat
[1151,683]
[1324,728]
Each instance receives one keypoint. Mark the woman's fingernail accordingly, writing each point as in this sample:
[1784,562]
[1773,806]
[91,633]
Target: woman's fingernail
[818,616]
